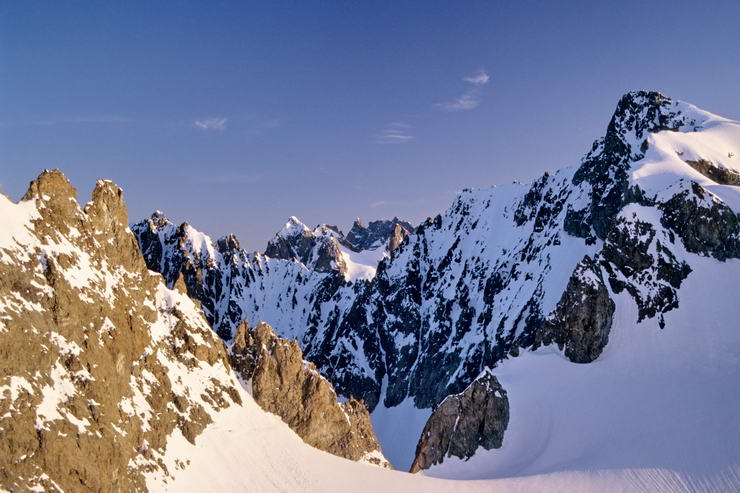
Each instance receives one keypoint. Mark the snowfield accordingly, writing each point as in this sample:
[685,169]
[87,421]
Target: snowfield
[362,265]
[656,412]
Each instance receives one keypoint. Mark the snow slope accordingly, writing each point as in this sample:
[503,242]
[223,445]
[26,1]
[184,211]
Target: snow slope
[362,265]
[658,404]
[249,450]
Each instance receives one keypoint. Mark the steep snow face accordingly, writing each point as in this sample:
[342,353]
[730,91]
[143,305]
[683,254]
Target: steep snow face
[674,157]
[514,268]
[362,264]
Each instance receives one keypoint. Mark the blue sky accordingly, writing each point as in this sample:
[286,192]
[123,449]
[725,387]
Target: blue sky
[235,115]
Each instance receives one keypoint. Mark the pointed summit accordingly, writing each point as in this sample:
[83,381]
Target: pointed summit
[159,219]
[640,112]
[293,227]
[606,165]
[54,189]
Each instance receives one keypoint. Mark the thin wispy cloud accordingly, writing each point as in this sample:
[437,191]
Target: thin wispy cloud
[479,78]
[395,133]
[214,123]
[469,100]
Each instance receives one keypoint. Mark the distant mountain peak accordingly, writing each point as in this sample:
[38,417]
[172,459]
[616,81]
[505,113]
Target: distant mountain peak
[293,227]
[376,233]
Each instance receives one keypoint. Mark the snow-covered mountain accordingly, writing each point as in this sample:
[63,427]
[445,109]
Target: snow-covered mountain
[108,378]
[561,266]
[326,249]
[575,334]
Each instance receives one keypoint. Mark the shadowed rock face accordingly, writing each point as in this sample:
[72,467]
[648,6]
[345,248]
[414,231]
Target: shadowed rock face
[283,383]
[583,317]
[706,225]
[476,417]
[97,357]
[377,233]
[318,249]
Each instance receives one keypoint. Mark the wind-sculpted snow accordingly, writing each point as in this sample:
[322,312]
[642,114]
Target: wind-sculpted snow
[503,270]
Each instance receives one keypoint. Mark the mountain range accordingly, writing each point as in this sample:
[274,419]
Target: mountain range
[577,332]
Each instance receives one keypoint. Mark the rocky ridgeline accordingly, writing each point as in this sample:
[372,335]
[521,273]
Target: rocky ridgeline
[318,249]
[284,384]
[476,417]
[101,365]
[503,270]
[233,284]
[377,234]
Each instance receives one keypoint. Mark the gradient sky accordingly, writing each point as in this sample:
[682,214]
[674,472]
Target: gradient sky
[234,116]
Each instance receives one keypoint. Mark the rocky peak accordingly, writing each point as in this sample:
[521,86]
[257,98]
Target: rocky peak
[318,249]
[376,233]
[158,219]
[283,383]
[228,244]
[103,362]
[476,417]
[639,112]
[329,230]
[108,207]
[52,191]
[397,236]
[160,239]
[293,227]
[605,167]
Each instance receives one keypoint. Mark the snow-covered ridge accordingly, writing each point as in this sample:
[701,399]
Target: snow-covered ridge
[233,284]
[539,267]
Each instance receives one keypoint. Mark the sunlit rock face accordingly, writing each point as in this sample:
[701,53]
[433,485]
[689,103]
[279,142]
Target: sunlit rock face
[101,364]
[283,383]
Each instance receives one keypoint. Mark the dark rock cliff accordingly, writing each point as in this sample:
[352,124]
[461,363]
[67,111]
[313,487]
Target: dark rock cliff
[476,417]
